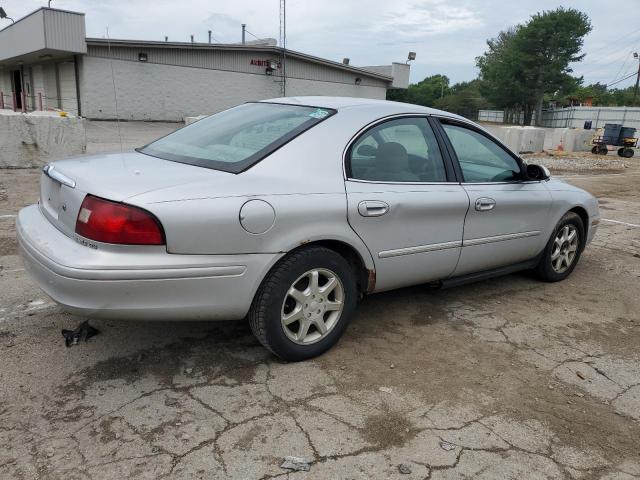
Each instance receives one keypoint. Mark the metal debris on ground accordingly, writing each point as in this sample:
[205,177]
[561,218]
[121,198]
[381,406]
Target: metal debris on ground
[296,463]
[83,332]
[447,446]
[404,468]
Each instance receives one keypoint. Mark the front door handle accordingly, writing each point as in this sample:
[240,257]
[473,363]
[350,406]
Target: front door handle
[372,208]
[484,204]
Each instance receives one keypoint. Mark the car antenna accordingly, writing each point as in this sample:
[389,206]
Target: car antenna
[115,95]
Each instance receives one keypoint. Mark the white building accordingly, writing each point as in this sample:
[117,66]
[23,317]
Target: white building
[46,62]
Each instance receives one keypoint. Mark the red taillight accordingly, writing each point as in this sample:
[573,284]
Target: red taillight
[111,222]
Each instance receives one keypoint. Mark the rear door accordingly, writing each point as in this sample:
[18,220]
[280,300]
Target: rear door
[404,202]
[507,214]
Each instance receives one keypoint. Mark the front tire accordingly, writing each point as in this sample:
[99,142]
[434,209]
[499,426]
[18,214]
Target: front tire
[304,304]
[563,250]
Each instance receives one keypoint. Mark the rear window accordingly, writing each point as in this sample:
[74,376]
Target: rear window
[236,139]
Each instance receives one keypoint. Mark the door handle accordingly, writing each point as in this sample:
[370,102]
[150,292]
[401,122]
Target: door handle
[372,208]
[484,204]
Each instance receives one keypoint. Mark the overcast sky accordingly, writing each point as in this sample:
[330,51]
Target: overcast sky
[446,35]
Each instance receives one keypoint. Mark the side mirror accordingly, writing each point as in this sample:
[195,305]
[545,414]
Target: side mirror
[537,172]
[367,150]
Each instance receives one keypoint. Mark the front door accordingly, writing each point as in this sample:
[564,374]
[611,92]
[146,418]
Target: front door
[507,215]
[404,203]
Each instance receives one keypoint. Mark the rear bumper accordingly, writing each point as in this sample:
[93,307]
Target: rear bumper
[137,283]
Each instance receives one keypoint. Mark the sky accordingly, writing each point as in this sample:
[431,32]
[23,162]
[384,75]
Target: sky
[446,35]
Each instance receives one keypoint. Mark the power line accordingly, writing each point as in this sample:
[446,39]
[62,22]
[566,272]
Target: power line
[601,66]
[609,43]
[622,79]
[622,67]
[628,72]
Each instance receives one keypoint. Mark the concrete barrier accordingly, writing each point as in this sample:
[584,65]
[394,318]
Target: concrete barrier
[190,120]
[571,139]
[30,140]
[536,139]
[521,139]
[578,140]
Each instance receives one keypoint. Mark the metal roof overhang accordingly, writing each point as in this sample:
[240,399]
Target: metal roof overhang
[44,55]
[43,35]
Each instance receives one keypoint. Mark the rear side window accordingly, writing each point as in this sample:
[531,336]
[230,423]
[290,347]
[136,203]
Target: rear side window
[236,139]
[401,150]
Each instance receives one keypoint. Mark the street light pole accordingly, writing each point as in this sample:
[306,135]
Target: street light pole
[3,14]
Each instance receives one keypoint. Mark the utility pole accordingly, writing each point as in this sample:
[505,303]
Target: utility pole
[635,90]
[244,29]
[283,47]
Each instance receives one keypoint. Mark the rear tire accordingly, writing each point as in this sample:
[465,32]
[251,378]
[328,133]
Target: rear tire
[627,153]
[304,304]
[563,249]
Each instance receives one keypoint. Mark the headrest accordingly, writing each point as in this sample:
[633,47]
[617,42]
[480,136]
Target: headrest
[392,156]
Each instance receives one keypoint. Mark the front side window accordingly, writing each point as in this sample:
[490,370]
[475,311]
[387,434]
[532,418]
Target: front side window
[480,158]
[235,139]
[402,150]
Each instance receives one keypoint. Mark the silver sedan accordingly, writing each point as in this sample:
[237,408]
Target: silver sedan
[288,211]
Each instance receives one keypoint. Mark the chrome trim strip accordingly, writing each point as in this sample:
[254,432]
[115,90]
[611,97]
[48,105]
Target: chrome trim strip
[419,249]
[51,172]
[499,238]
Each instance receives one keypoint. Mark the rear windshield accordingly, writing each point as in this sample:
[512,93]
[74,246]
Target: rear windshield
[236,139]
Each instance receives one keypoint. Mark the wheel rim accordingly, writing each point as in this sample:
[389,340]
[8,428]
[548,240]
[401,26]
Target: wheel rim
[565,248]
[312,306]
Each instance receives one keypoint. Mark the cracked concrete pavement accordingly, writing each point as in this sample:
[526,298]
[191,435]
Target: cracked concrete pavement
[508,378]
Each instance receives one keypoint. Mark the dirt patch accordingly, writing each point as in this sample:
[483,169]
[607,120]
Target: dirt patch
[388,429]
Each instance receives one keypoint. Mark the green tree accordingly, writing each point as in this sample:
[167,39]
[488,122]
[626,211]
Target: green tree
[425,92]
[464,99]
[528,61]
[501,81]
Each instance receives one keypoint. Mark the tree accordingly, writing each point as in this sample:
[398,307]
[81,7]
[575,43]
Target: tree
[501,81]
[464,99]
[425,92]
[528,61]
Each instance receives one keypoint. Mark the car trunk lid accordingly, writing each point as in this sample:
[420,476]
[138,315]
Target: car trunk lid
[117,177]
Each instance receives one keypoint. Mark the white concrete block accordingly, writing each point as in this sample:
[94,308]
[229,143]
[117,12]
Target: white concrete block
[190,120]
[557,138]
[578,140]
[522,139]
[30,140]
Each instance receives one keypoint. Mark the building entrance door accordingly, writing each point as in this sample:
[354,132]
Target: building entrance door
[17,88]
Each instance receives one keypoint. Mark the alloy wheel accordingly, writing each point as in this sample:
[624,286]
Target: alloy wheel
[565,247]
[312,306]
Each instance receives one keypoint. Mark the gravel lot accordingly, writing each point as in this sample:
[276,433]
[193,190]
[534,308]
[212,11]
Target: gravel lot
[508,378]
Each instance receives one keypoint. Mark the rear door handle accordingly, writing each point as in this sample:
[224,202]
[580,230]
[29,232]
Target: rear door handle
[484,204]
[372,208]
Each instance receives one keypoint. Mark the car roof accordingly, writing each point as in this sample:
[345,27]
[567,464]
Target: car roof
[342,103]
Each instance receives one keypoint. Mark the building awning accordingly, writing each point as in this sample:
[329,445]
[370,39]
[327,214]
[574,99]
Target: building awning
[42,35]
